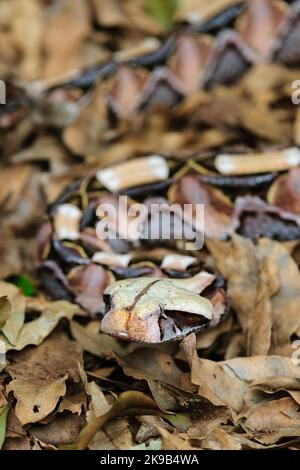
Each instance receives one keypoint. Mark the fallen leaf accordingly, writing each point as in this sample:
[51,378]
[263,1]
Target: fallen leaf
[98,404]
[244,277]
[75,399]
[226,383]
[14,322]
[36,400]
[114,435]
[62,430]
[88,283]
[95,343]
[65,56]
[207,422]
[28,34]
[35,331]
[40,374]
[151,364]
[260,319]
[22,443]
[219,439]
[241,276]
[195,11]
[280,417]
[175,441]
[218,208]
[284,192]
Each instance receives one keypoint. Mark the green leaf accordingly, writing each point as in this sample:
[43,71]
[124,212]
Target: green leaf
[24,283]
[3,417]
[162,11]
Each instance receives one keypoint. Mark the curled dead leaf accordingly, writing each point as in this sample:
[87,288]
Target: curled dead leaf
[88,284]
[226,383]
[217,207]
[266,274]
[40,375]
[35,331]
[285,192]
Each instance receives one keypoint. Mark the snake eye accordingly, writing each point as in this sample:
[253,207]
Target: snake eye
[107,299]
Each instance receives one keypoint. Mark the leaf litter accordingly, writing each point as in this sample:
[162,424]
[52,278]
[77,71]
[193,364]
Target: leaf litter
[135,343]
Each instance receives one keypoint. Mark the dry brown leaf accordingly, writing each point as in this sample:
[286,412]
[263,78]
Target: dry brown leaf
[260,318]
[110,15]
[64,56]
[204,425]
[226,383]
[219,439]
[239,262]
[27,30]
[174,441]
[206,338]
[95,343]
[14,307]
[75,399]
[284,192]
[88,284]
[62,430]
[86,134]
[242,276]
[21,443]
[215,384]
[285,302]
[279,417]
[36,400]
[22,205]
[195,11]
[217,206]
[35,331]
[40,374]
[151,364]
[115,435]
[46,148]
